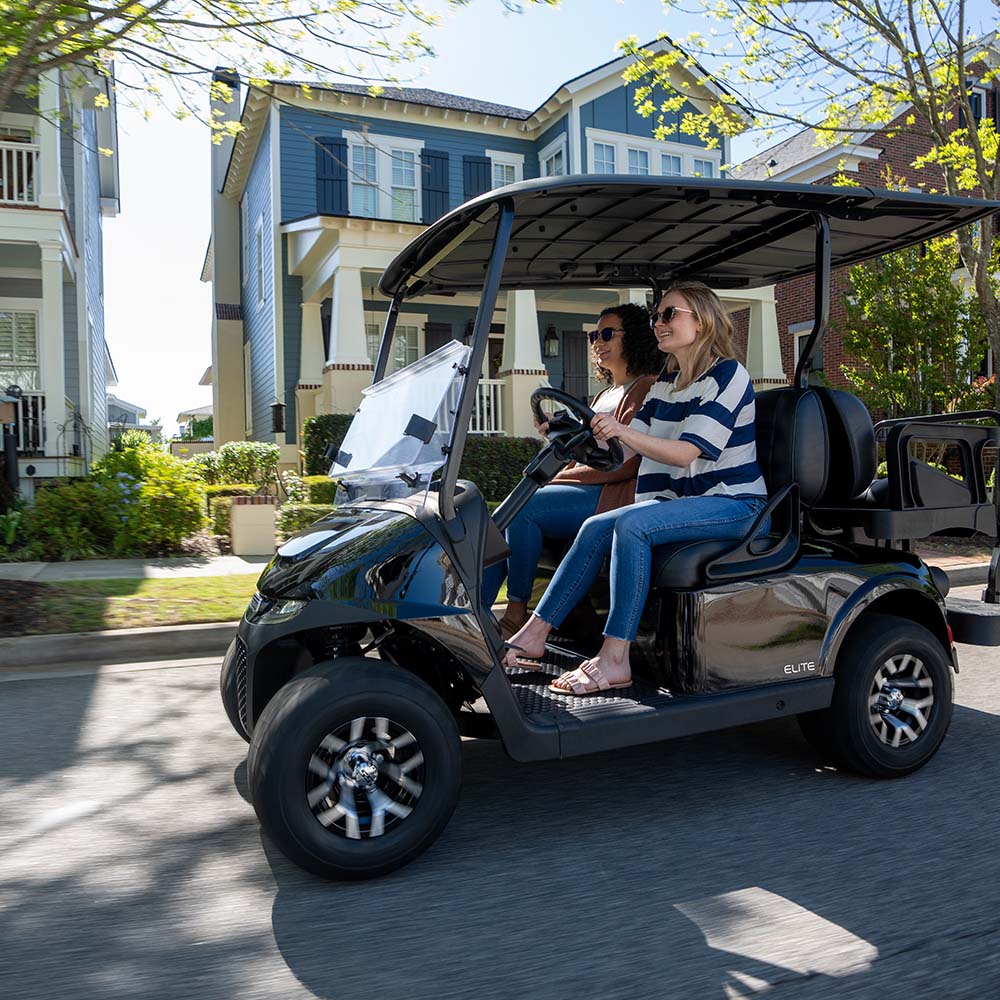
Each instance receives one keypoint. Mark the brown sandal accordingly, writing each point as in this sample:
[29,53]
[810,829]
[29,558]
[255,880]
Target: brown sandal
[581,689]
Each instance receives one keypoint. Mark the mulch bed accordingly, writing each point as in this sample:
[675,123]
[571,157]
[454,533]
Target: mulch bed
[21,606]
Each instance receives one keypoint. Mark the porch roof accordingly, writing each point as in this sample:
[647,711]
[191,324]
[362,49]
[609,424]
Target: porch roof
[616,231]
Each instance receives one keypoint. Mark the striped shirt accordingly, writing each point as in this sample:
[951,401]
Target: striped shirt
[715,413]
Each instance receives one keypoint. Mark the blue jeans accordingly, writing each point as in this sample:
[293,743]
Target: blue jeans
[555,511]
[628,535]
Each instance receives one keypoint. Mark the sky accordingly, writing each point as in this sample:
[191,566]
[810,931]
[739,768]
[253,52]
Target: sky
[158,312]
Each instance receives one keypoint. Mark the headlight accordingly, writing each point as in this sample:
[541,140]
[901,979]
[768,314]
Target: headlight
[278,611]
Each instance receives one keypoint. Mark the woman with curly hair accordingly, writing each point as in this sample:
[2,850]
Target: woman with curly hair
[625,356]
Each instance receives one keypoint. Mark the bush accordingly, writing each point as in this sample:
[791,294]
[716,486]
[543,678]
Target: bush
[495,464]
[320,489]
[238,462]
[219,501]
[318,432]
[294,517]
[74,520]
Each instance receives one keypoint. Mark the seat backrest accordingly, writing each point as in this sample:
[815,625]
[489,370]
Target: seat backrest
[853,455]
[792,441]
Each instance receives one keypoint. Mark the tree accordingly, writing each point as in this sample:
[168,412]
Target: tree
[198,429]
[843,66]
[163,49]
[916,336]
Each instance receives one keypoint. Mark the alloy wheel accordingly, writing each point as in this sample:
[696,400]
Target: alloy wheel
[901,700]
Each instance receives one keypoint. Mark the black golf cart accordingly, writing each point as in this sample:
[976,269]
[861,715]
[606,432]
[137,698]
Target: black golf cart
[367,652]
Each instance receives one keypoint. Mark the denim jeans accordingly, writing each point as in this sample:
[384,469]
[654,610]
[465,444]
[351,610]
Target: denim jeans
[628,535]
[555,511]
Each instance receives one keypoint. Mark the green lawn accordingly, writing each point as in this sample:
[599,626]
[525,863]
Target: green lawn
[90,605]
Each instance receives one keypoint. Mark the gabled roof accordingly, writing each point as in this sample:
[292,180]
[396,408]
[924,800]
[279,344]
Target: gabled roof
[122,404]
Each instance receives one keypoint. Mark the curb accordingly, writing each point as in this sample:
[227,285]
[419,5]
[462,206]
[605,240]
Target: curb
[127,645]
[966,576]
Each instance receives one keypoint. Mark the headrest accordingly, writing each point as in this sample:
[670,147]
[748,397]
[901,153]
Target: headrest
[853,455]
[792,443]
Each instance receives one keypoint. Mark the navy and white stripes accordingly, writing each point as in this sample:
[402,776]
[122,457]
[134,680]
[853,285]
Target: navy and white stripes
[715,413]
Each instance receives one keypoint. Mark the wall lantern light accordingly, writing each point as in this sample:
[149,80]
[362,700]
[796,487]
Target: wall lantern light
[277,417]
[550,346]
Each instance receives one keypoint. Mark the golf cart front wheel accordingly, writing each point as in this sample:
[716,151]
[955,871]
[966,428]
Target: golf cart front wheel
[354,768]
[893,697]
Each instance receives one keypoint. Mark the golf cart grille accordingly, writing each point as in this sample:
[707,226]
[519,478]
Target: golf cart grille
[531,687]
[241,680]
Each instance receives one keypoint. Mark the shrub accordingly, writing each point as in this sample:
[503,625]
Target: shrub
[495,464]
[318,432]
[74,520]
[320,489]
[294,517]
[238,462]
[206,467]
[294,487]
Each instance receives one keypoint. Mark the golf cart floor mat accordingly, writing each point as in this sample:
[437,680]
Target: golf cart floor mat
[531,687]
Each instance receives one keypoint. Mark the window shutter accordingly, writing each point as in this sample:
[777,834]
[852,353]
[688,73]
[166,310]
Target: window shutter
[476,175]
[434,171]
[26,340]
[331,176]
[6,338]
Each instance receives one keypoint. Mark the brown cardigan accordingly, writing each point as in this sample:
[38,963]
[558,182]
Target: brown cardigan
[619,486]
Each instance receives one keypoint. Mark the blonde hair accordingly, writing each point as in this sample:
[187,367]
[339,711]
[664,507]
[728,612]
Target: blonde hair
[715,338]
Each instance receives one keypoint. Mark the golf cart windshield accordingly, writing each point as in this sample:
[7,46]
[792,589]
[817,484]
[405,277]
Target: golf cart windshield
[398,437]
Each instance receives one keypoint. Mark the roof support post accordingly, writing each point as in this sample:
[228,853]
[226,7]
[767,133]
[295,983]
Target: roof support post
[821,307]
[480,340]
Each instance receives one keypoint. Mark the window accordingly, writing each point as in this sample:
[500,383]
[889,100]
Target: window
[977,101]
[405,344]
[404,185]
[704,168]
[364,181]
[247,390]
[373,336]
[638,162]
[670,165]
[604,158]
[19,350]
[552,157]
[259,259]
[384,177]
[800,336]
[508,168]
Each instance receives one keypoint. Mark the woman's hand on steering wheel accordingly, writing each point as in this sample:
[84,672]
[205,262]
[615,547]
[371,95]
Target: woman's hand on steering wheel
[605,427]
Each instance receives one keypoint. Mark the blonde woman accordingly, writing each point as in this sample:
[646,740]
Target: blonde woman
[695,436]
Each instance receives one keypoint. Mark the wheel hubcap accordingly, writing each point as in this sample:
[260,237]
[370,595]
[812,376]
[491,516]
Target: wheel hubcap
[365,777]
[901,700]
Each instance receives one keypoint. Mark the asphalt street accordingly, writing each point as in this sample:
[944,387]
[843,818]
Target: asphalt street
[727,865]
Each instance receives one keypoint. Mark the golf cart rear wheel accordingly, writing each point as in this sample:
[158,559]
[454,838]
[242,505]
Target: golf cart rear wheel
[892,701]
[354,768]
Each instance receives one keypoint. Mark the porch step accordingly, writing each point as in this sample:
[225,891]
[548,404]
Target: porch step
[974,622]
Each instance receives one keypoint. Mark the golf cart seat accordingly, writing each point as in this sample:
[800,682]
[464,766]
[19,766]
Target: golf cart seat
[915,500]
[793,453]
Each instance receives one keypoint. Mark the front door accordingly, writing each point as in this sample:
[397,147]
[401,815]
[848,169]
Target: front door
[436,335]
[576,364]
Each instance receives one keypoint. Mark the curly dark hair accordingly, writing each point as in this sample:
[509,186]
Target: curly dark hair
[642,357]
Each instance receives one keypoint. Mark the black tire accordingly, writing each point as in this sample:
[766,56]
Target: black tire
[229,692]
[290,735]
[817,728]
[880,644]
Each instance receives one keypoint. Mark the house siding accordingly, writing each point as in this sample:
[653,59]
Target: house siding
[67,159]
[299,126]
[71,350]
[561,127]
[615,111]
[258,316]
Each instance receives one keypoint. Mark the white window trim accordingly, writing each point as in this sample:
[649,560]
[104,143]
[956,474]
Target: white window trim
[245,236]
[547,152]
[259,258]
[247,389]
[977,89]
[799,331]
[623,143]
[499,157]
[384,145]
[419,320]
[30,306]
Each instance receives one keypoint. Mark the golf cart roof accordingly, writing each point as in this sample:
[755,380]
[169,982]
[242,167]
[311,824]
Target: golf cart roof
[608,230]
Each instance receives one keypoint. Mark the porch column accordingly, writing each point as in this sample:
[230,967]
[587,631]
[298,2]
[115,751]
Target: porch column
[522,368]
[348,368]
[311,363]
[49,173]
[52,351]
[763,343]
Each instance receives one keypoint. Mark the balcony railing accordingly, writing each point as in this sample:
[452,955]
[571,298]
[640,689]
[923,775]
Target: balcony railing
[31,424]
[487,410]
[18,173]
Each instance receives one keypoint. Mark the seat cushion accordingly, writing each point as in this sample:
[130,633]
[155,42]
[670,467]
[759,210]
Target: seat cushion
[681,565]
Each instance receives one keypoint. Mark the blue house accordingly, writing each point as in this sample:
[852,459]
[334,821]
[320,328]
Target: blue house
[56,188]
[324,186]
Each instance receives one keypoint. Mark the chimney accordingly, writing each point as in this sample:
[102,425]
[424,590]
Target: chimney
[225,84]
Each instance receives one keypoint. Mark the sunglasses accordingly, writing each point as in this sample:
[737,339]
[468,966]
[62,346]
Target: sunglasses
[666,315]
[606,334]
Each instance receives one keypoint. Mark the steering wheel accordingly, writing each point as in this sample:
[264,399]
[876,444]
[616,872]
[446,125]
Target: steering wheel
[574,437]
